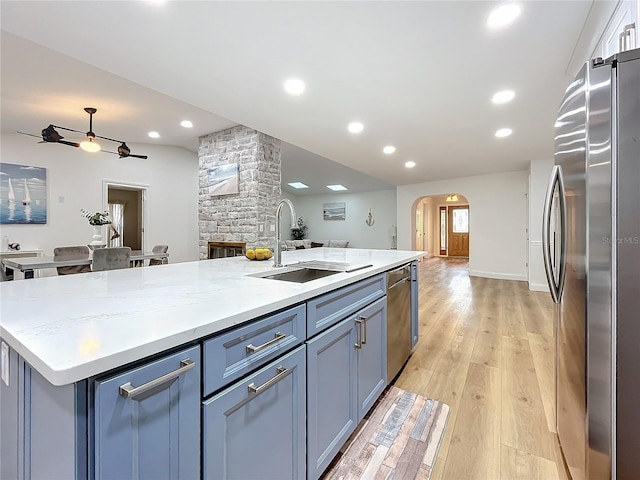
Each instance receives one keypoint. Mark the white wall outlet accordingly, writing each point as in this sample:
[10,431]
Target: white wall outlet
[261,228]
[272,228]
[4,363]
[60,199]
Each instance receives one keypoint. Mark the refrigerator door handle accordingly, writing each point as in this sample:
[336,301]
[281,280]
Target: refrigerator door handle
[562,265]
[546,235]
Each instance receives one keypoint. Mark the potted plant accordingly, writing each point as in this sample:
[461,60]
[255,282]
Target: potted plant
[300,231]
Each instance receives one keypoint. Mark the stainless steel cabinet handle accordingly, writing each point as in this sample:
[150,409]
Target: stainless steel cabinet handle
[364,322]
[129,391]
[562,196]
[362,334]
[278,336]
[282,372]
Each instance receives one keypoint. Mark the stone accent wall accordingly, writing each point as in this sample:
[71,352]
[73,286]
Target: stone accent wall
[238,218]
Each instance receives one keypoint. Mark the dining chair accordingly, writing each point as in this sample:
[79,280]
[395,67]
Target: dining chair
[159,249]
[75,251]
[111,258]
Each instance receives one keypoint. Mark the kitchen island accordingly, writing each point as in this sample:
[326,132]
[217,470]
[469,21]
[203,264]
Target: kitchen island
[70,338]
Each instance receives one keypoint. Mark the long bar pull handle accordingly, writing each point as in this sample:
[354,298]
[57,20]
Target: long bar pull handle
[364,323]
[546,234]
[562,273]
[360,321]
[282,372]
[129,391]
[278,336]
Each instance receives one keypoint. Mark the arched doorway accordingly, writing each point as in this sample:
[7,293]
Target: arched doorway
[441,225]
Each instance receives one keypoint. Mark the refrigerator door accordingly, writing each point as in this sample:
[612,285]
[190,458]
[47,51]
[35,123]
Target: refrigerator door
[570,155]
[627,265]
[601,149]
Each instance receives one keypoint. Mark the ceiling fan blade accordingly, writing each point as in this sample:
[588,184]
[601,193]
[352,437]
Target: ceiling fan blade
[71,144]
[49,134]
[30,134]
[144,157]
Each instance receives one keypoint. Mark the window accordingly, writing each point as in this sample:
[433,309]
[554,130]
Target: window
[461,220]
[116,213]
[443,230]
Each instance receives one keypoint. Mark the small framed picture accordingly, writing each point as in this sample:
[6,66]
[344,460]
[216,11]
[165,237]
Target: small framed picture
[223,180]
[334,211]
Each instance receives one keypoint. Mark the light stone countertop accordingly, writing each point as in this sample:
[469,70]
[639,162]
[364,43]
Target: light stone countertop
[76,326]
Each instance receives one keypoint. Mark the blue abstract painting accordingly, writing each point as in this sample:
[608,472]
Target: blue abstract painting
[23,194]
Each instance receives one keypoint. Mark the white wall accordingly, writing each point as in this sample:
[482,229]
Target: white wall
[383,209]
[498,220]
[539,173]
[170,173]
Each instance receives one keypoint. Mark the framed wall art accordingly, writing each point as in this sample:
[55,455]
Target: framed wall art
[334,211]
[23,194]
[223,180]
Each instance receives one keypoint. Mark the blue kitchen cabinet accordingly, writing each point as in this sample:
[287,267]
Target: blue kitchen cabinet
[347,369]
[371,358]
[255,428]
[332,409]
[415,310]
[147,420]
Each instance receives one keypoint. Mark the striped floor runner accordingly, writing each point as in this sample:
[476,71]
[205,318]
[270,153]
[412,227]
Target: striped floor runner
[398,439]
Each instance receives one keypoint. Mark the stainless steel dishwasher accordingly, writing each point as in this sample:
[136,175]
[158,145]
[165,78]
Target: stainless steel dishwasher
[398,319]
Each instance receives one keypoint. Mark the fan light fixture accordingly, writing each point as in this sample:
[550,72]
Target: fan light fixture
[50,135]
[452,198]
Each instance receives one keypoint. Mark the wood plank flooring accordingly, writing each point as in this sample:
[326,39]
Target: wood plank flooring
[487,350]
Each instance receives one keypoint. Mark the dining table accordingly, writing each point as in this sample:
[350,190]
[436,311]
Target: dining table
[28,265]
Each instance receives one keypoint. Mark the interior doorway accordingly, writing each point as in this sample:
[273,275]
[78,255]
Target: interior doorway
[126,206]
[441,225]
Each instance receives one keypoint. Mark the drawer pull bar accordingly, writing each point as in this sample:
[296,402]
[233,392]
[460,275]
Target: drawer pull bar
[129,391]
[279,336]
[282,372]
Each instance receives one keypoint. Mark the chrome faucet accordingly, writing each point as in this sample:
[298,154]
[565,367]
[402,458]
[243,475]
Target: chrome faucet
[277,254]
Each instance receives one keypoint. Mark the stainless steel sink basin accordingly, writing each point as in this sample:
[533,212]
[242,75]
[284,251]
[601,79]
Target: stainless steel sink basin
[307,271]
[300,275]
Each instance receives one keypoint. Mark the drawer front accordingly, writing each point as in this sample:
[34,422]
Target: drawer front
[329,309]
[232,355]
[255,428]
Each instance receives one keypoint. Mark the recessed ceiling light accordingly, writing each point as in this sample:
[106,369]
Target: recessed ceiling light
[503,15]
[503,96]
[186,123]
[355,127]
[294,86]
[298,185]
[410,164]
[337,188]
[503,132]
[154,134]
[389,149]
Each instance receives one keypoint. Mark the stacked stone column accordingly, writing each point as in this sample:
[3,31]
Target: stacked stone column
[239,217]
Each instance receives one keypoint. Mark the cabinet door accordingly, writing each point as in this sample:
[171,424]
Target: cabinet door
[415,307]
[255,429]
[331,394]
[150,433]
[372,354]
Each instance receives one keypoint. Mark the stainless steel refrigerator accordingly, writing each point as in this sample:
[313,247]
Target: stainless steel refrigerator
[591,244]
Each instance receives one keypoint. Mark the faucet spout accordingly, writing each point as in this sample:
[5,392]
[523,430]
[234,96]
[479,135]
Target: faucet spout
[277,254]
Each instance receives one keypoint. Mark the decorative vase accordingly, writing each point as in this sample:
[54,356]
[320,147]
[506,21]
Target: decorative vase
[97,241]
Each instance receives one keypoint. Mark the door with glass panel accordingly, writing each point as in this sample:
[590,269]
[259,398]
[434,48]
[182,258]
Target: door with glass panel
[458,240]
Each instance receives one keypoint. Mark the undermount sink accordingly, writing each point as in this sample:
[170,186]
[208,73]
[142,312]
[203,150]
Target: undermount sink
[306,271]
[298,275]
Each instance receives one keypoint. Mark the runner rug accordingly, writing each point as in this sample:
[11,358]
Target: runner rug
[399,439]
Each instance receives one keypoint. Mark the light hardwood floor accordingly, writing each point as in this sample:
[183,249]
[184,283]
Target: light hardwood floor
[487,350]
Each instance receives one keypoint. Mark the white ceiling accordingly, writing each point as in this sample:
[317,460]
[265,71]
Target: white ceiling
[419,75]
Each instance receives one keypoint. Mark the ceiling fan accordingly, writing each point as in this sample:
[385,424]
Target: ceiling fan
[50,135]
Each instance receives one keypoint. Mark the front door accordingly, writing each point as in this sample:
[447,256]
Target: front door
[459,231]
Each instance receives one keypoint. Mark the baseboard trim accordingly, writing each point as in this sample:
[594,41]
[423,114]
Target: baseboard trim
[498,276]
[539,287]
